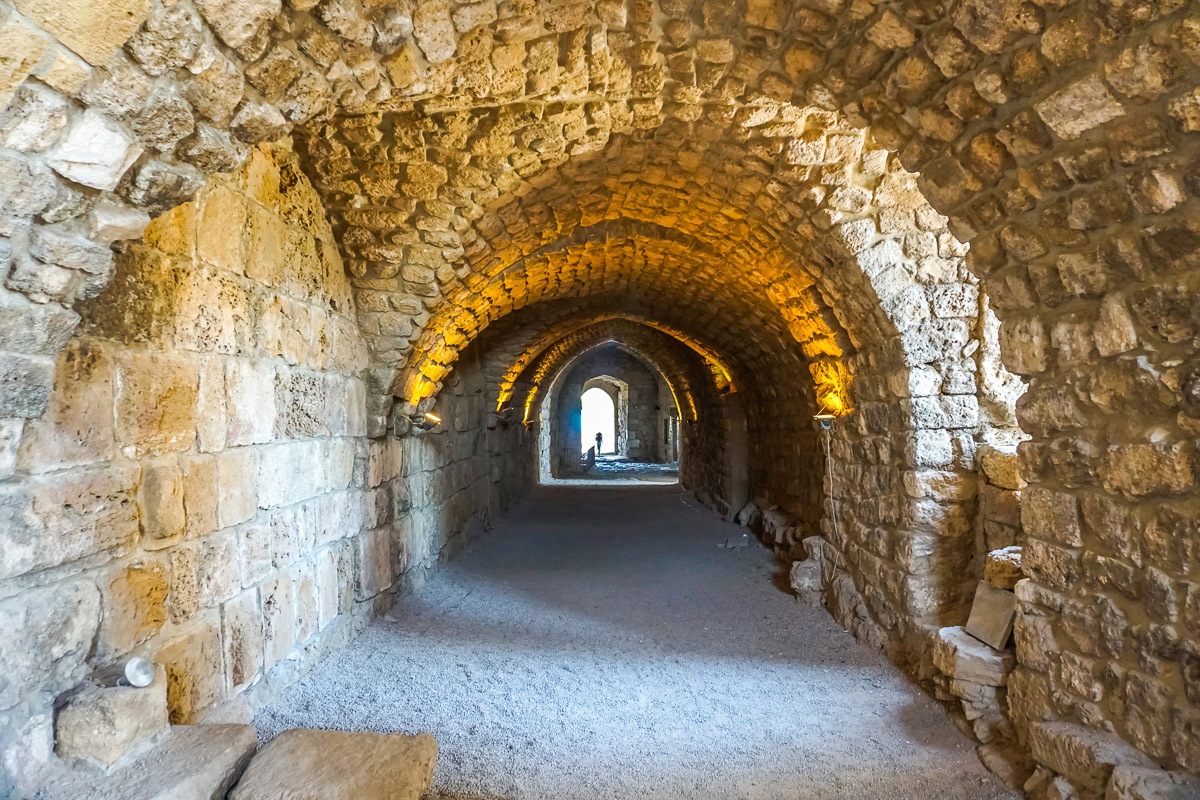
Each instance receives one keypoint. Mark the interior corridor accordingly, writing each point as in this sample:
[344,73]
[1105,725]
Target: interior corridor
[600,643]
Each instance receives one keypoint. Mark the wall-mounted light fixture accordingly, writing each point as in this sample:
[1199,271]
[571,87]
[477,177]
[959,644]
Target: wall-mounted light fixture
[137,672]
[403,424]
[504,416]
[825,421]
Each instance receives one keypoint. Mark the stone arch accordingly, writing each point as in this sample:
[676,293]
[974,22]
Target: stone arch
[617,391]
[1057,138]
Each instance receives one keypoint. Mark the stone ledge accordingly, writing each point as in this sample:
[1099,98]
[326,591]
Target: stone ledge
[195,762]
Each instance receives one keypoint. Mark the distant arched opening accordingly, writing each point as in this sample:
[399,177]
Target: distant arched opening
[599,417]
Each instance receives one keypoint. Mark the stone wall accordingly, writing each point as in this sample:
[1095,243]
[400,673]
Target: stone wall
[643,409]
[741,173]
[200,489]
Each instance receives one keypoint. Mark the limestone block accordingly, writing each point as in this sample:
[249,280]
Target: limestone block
[1135,783]
[236,479]
[211,422]
[48,636]
[106,725]
[25,385]
[156,401]
[34,119]
[236,22]
[1085,756]
[63,516]
[195,681]
[195,762]
[134,600]
[279,632]
[372,563]
[992,614]
[242,639]
[77,428]
[110,221]
[1002,568]
[201,490]
[221,221]
[21,47]
[805,579]
[960,655]
[1001,468]
[289,473]
[94,151]
[160,502]
[93,30]
[249,402]
[255,546]
[10,439]
[345,766]
[217,576]
[1081,106]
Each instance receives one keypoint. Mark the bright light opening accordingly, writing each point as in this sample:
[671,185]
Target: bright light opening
[599,416]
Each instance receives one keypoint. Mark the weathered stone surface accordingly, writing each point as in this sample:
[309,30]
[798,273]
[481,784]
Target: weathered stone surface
[194,762]
[94,151]
[194,677]
[236,22]
[1086,756]
[49,635]
[105,725]
[958,654]
[1135,783]
[1002,568]
[93,30]
[362,766]
[992,614]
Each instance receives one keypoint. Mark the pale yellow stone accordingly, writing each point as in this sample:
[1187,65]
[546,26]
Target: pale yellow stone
[92,28]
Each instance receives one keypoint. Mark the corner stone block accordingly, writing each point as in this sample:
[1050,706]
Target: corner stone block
[960,655]
[101,726]
[1085,756]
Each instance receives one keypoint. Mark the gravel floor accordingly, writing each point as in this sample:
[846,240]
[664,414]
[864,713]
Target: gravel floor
[598,644]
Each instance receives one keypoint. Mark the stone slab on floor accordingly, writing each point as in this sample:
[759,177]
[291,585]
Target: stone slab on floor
[305,764]
[195,762]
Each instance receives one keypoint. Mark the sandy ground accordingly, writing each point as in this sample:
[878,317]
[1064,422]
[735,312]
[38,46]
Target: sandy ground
[598,644]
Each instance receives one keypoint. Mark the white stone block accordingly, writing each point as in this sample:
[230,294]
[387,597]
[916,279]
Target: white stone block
[95,152]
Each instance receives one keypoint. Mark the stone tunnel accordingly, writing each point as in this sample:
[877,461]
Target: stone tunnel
[299,300]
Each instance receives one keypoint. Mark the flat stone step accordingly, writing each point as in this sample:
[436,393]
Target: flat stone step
[194,762]
[304,764]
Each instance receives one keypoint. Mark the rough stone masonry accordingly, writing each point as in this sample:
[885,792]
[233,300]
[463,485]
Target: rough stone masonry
[967,230]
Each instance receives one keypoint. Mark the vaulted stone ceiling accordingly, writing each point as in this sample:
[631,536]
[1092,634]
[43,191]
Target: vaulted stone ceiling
[764,180]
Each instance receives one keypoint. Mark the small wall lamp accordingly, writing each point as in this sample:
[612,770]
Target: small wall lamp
[825,421]
[403,424]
